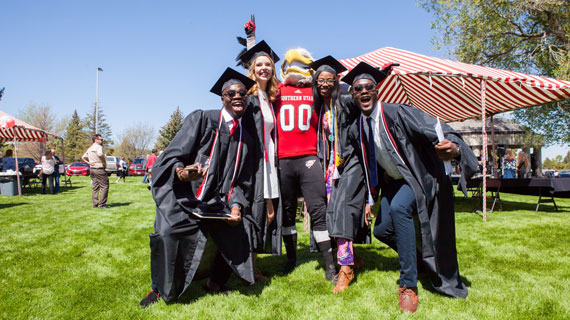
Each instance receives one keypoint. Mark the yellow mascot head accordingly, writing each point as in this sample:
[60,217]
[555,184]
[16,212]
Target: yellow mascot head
[295,69]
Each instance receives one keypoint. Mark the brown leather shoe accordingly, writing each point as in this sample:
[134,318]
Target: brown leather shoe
[343,279]
[408,299]
[259,277]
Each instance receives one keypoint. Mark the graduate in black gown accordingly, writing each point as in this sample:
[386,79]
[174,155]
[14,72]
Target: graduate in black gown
[185,188]
[339,150]
[402,155]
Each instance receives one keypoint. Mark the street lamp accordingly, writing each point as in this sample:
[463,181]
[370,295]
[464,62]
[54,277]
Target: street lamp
[97,101]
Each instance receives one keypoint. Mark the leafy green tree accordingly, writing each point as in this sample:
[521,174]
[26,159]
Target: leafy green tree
[76,140]
[169,130]
[103,127]
[548,164]
[531,36]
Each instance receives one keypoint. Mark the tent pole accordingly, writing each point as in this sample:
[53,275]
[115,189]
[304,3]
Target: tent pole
[496,173]
[484,149]
[17,166]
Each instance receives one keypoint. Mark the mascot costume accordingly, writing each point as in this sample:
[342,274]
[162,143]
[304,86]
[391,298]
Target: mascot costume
[300,170]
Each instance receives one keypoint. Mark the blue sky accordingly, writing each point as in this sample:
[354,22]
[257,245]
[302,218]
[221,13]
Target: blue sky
[157,55]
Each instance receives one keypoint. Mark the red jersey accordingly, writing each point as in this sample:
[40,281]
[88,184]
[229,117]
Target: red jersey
[297,122]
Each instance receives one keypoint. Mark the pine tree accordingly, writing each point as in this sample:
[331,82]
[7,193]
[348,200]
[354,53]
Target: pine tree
[103,127]
[76,140]
[169,130]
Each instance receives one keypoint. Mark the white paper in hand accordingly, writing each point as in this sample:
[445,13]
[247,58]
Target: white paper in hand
[440,137]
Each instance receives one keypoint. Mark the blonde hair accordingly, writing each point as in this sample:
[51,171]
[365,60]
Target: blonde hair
[522,157]
[510,155]
[272,84]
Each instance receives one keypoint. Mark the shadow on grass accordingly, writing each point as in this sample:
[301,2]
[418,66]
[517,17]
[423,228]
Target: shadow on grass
[9,205]
[119,204]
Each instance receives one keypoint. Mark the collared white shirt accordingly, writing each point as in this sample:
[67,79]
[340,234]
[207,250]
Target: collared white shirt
[382,156]
[228,119]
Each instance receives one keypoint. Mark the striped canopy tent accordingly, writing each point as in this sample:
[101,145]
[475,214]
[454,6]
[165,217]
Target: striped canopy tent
[22,132]
[455,91]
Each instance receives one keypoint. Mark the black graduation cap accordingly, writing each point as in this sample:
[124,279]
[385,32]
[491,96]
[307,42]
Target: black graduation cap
[365,71]
[260,49]
[328,61]
[229,77]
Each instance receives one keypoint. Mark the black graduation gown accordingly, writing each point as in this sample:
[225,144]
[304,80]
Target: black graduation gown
[410,142]
[179,238]
[345,218]
[268,239]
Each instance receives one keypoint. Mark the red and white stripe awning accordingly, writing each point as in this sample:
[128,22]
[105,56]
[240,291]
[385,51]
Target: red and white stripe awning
[22,131]
[451,90]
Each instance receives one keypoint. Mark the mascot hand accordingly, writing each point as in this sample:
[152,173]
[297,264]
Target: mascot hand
[249,27]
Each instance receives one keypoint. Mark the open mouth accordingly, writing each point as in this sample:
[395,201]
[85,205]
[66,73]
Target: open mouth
[237,104]
[365,99]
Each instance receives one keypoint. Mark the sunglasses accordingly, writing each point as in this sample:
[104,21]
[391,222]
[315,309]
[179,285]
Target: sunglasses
[368,87]
[232,93]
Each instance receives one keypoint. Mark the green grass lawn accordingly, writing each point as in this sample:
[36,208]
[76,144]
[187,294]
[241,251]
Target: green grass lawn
[60,259]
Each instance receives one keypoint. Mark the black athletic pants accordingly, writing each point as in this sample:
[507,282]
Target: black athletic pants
[303,175]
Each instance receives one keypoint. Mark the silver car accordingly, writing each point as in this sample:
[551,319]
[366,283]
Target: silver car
[112,165]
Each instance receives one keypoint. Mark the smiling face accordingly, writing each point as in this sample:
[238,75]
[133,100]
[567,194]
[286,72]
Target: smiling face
[364,94]
[263,69]
[325,85]
[233,99]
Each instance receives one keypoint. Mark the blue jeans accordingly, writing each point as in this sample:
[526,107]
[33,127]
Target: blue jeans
[395,227]
[56,179]
[509,174]
[145,178]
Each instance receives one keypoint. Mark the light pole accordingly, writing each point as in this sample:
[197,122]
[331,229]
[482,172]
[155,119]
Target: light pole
[97,101]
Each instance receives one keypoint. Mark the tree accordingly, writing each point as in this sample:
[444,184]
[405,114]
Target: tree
[169,130]
[135,141]
[76,140]
[42,118]
[103,128]
[531,36]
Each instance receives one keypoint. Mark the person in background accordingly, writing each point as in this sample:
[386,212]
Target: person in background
[48,168]
[97,164]
[148,167]
[522,164]
[509,165]
[56,173]
[145,177]
[122,170]
[8,162]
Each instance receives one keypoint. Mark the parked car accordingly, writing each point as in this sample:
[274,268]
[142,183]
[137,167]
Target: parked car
[78,169]
[112,165]
[136,167]
[564,174]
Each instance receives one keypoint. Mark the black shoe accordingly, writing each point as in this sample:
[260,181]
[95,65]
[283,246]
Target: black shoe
[150,298]
[148,186]
[290,265]
[330,273]
[223,290]
[104,207]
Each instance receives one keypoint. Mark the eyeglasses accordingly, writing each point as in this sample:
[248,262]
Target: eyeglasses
[232,93]
[368,87]
[327,81]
